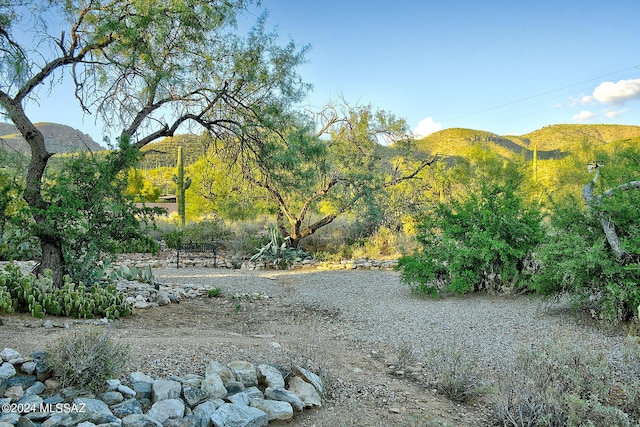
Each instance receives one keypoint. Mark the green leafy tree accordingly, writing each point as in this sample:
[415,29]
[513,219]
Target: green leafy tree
[592,251]
[480,240]
[324,164]
[148,68]
[91,213]
[218,186]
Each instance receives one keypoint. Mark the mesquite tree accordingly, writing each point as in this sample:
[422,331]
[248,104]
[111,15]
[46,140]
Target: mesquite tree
[147,67]
[608,227]
[330,163]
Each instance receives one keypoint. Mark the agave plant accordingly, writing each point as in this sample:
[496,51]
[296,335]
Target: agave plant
[278,251]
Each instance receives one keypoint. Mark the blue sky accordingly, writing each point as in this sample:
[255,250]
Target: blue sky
[507,67]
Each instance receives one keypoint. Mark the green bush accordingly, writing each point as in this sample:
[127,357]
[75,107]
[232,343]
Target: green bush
[576,259]
[86,358]
[479,243]
[211,230]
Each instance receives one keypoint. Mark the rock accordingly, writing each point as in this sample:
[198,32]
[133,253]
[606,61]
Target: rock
[306,392]
[139,420]
[275,410]
[168,408]
[52,384]
[112,397]
[230,415]
[14,393]
[56,420]
[165,389]
[192,380]
[234,387]
[7,370]
[31,401]
[36,388]
[9,355]
[28,367]
[214,387]
[113,384]
[188,401]
[194,395]
[24,381]
[243,372]
[93,410]
[311,378]
[270,376]
[162,298]
[239,399]
[139,377]
[284,395]
[254,393]
[217,368]
[126,390]
[128,407]
[9,419]
[203,412]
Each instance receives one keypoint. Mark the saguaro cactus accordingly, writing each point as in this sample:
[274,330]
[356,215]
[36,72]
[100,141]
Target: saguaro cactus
[183,184]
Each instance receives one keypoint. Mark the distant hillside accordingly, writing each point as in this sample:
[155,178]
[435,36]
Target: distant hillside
[57,138]
[164,153]
[553,142]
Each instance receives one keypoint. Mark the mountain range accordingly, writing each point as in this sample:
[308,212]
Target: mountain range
[551,142]
[57,138]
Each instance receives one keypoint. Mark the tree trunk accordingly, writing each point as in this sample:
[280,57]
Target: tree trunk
[607,225]
[50,244]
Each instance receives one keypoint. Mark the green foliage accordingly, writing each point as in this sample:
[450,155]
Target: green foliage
[39,296]
[576,259]
[278,253]
[208,230]
[478,243]
[86,358]
[90,213]
[214,293]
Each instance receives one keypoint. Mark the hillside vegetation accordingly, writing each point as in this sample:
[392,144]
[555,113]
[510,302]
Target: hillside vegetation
[553,142]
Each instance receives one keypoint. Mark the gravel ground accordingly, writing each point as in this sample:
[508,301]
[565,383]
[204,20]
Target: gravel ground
[353,323]
[382,309]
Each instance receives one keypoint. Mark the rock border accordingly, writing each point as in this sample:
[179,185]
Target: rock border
[238,394]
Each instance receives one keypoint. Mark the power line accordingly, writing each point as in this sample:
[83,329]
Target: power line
[539,94]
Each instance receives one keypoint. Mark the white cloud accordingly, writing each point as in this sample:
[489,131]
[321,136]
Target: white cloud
[617,93]
[583,116]
[587,99]
[614,114]
[426,127]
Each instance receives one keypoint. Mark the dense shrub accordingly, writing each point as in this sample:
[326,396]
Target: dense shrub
[86,358]
[481,242]
[576,259]
[208,230]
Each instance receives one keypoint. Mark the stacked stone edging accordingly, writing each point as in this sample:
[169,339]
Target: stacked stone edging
[235,394]
[167,260]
